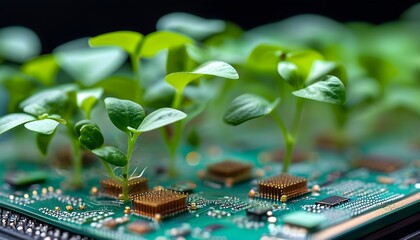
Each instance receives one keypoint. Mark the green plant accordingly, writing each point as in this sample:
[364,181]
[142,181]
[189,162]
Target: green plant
[43,112]
[130,118]
[179,80]
[138,46]
[309,79]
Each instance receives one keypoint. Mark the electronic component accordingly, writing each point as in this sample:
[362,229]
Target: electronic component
[332,201]
[213,227]
[139,226]
[111,188]
[302,219]
[19,226]
[379,163]
[229,172]
[285,184]
[25,179]
[160,203]
[257,213]
[184,187]
[113,222]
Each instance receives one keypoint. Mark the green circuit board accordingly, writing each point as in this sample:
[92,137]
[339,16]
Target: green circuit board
[342,199]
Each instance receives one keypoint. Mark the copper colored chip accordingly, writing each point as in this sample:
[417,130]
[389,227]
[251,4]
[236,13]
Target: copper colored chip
[285,184]
[379,163]
[111,188]
[164,203]
[229,172]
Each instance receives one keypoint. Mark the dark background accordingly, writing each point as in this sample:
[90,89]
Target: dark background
[59,21]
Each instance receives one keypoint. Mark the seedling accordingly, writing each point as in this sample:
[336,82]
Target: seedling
[137,46]
[45,111]
[179,80]
[130,118]
[314,85]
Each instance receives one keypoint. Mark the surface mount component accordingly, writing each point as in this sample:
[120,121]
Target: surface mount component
[332,201]
[229,172]
[160,203]
[257,213]
[380,163]
[285,184]
[111,188]
[24,179]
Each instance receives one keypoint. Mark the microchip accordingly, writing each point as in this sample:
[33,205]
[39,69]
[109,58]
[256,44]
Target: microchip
[25,179]
[304,219]
[184,187]
[285,184]
[111,188]
[257,213]
[229,172]
[332,201]
[380,163]
[160,203]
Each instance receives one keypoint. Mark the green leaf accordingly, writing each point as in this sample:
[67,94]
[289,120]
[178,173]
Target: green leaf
[304,60]
[46,101]
[330,90]
[128,40]
[18,44]
[159,40]
[319,69]
[120,87]
[111,155]
[159,118]
[124,113]
[289,72]
[44,68]
[265,57]
[43,141]
[91,65]
[78,126]
[190,25]
[180,80]
[91,137]
[86,99]
[246,107]
[13,120]
[44,126]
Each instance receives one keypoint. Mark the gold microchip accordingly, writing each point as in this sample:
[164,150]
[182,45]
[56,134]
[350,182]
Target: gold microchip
[164,203]
[111,188]
[285,184]
[379,163]
[229,172]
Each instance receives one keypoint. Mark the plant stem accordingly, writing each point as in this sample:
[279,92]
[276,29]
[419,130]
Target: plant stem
[76,181]
[136,71]
[131,139]
[173,149]
[297,116]
[177,100]
[289,137]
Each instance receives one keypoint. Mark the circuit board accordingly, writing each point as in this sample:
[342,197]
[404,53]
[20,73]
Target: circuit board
[337,198]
